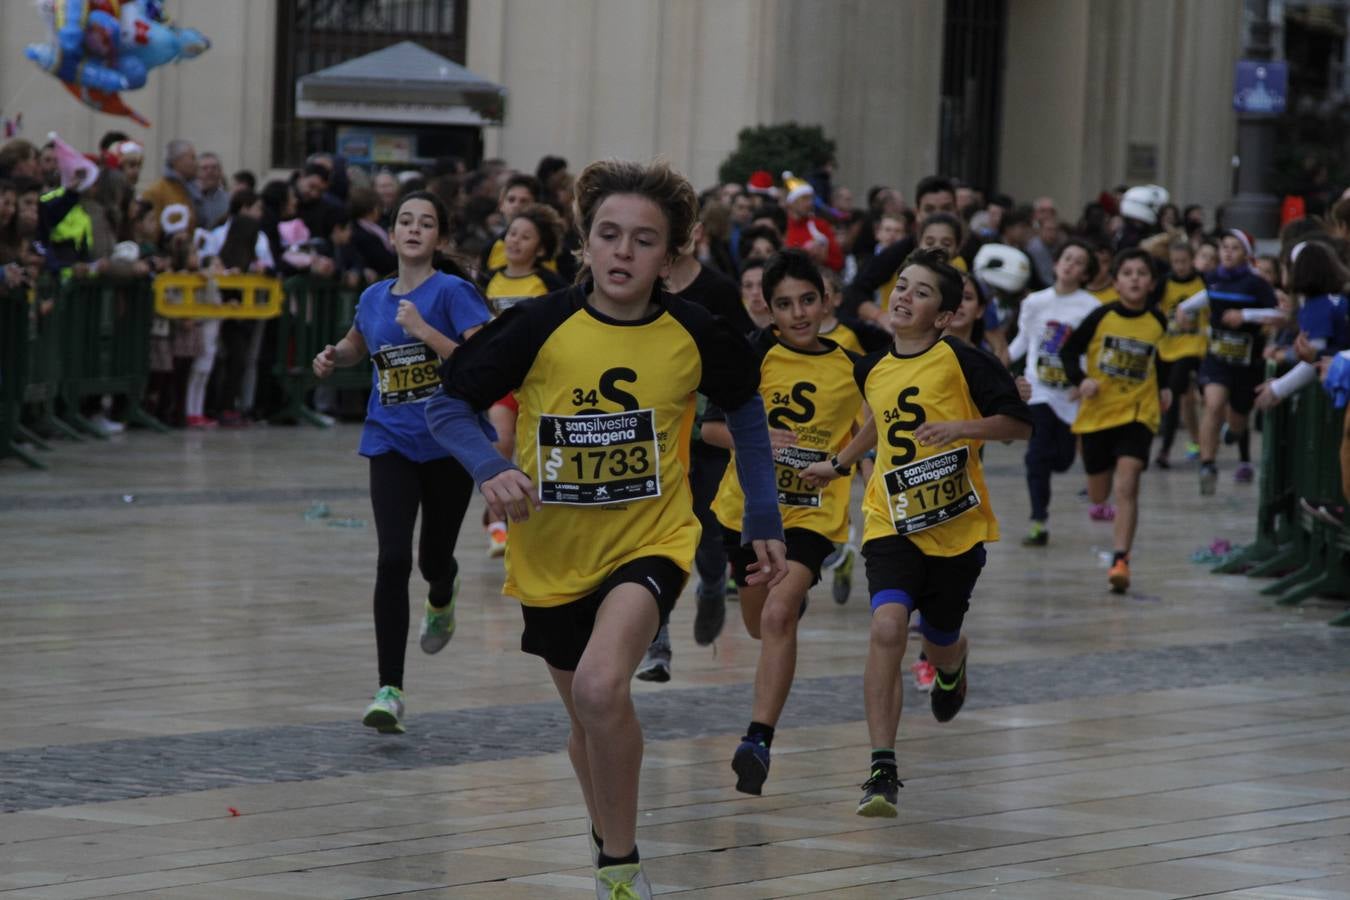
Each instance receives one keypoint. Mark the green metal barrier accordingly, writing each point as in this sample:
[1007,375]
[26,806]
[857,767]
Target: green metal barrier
[1276,526]
[104,330]
[15,313]
[1316,481]
[1296,538]
[318,312]
[46,363]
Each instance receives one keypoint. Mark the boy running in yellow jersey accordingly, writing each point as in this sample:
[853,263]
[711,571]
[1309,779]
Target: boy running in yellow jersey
[1121,399]
[807,386]
[1182,350]
[861,338]
[603,526]
[935,401]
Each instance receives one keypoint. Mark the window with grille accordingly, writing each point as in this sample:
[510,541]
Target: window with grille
[315,34]
[974,35]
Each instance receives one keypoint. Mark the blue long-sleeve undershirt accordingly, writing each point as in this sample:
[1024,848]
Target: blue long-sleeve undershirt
[455,424]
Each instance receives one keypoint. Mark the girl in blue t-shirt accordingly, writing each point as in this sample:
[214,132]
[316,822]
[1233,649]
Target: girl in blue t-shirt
[1318,279]
[409,325]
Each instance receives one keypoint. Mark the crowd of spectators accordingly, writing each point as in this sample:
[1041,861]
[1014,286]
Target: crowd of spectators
[331,220]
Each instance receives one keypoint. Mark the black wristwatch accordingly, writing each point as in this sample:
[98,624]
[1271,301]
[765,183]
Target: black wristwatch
[839,468]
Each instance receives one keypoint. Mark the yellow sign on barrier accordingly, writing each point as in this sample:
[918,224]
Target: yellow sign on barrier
[192,295]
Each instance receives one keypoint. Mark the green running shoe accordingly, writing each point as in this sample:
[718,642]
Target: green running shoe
[438,625]
[622,882]
[385,712]
[880,794]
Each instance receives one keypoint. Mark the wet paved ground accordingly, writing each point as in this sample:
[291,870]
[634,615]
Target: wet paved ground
[178,640]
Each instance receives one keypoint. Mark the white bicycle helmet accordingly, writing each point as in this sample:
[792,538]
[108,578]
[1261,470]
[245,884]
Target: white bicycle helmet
[1005,268]
[1142,203]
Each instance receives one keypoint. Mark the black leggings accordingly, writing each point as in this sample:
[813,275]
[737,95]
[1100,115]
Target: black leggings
[397,487]
[1052,448]
[705,477]
[1180,378]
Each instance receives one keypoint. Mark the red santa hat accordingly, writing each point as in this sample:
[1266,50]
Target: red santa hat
[761,182]
[77,172]
[113,156]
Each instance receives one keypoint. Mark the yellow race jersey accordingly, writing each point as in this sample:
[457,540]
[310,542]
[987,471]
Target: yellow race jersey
[606,409]
[812,394]
[1106,295]
[845,337]
[933,495]
[504,291]
[1121,347]
[1183,340]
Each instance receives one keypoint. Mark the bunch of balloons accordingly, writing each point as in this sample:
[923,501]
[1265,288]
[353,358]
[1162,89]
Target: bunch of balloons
[99,48]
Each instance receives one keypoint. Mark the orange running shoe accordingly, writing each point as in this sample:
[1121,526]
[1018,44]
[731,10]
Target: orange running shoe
[1119,576]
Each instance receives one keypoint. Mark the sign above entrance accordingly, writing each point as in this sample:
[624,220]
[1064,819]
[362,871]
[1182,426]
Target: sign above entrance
[1261,87]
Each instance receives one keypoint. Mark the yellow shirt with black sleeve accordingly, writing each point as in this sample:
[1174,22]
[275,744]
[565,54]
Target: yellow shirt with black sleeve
[812,394]
[933,495]
[1121,347]
[1106,295]
[606,409]
[1182,339]
[504,291]
[857,337]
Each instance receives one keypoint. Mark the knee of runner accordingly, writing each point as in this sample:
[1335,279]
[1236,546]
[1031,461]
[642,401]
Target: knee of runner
[890,617]
[597,694]
[936,636]
[778,620]
[395,563]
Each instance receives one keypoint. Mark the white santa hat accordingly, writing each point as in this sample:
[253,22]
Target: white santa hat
[1244,239]
[78,172]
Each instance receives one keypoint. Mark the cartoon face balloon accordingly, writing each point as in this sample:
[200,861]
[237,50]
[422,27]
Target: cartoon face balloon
[99,48]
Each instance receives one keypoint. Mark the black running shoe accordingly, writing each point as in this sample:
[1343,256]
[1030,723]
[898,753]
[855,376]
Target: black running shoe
[751,765]
[947,696]
[710,617]
[880,794]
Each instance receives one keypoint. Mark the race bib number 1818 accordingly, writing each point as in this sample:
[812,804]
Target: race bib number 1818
[598,460]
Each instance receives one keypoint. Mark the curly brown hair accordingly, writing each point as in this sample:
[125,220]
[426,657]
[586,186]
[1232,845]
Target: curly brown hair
[547,222]
[656,181]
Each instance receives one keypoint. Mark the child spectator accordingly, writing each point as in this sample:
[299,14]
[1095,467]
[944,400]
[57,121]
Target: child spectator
[370,240]
[1317,279]
[239,247]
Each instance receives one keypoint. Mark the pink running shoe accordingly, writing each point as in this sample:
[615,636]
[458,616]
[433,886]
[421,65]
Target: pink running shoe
[924,675]
[1102,512]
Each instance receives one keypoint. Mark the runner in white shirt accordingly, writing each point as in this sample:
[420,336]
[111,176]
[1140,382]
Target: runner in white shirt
[1046,320]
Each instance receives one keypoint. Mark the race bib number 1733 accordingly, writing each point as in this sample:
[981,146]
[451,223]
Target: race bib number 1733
[598,460]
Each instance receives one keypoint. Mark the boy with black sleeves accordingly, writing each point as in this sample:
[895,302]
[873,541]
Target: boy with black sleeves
[1121,400]
[935,402]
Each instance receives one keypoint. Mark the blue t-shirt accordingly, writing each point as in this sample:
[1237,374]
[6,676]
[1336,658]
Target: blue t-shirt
[404,370]
[1324,318]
